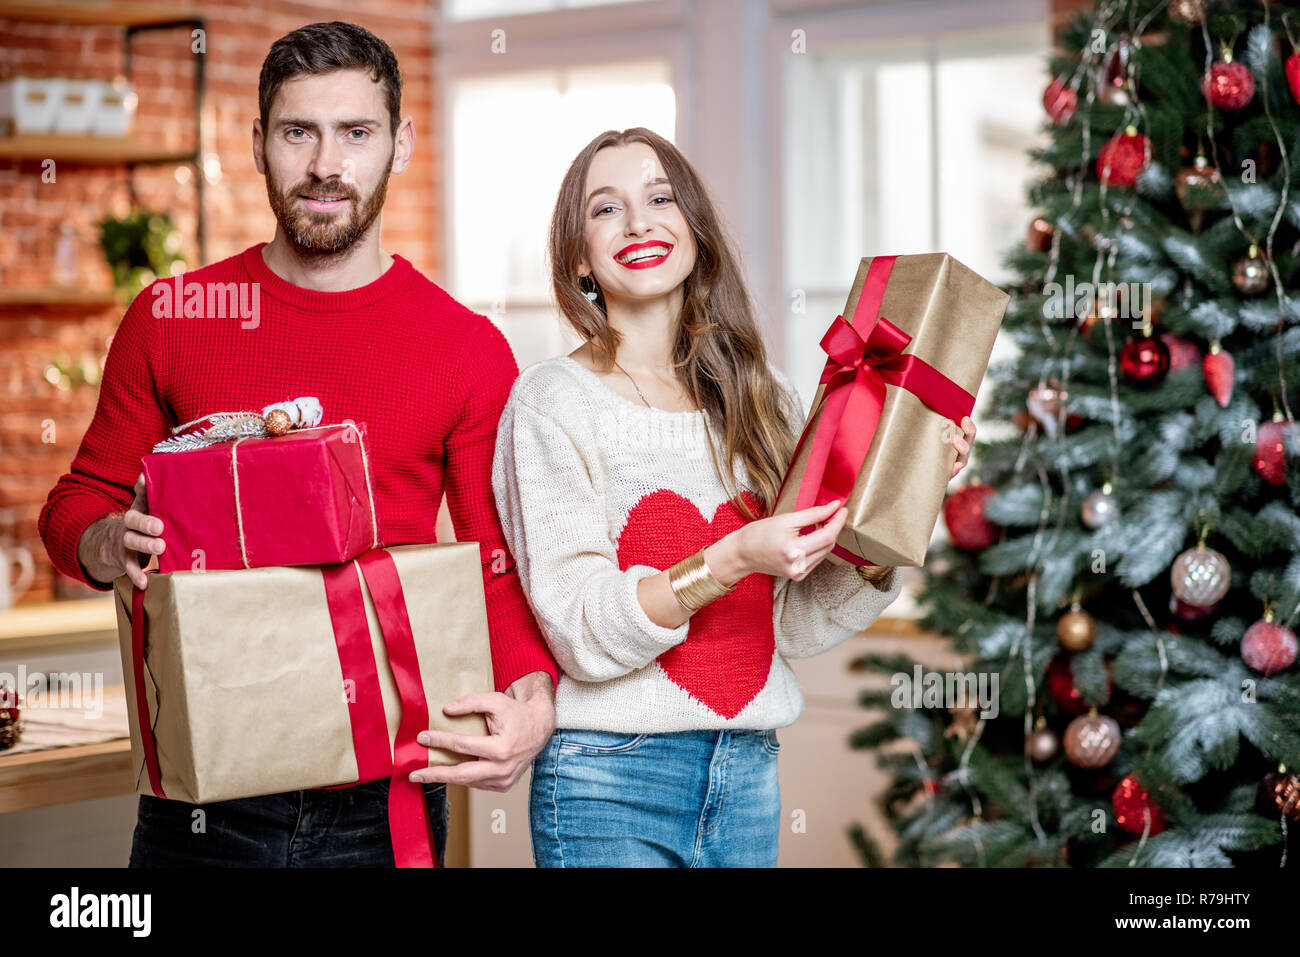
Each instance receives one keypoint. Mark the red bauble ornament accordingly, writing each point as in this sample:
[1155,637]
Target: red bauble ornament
[1293,75]
[1060,684]
[1122,158]
[1269,460]
[1144,361]
[1228,86]
[1060,102]
[1182,352]
[1268,647]
[1134,808]
[1219,370]
[1189,612]
[963,513]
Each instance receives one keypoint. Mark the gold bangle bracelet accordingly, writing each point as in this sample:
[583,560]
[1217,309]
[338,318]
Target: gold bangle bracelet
[874,573]
[693,584]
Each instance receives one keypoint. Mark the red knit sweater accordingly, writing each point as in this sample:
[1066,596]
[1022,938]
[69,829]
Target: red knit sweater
[427,377]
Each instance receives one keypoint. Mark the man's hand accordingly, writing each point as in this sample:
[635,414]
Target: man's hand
[520,722]
[112,545]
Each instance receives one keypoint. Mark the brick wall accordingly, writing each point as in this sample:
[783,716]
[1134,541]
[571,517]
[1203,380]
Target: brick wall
[1063,10]
[42,419]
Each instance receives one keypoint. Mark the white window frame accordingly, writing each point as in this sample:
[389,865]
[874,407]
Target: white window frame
[730,110]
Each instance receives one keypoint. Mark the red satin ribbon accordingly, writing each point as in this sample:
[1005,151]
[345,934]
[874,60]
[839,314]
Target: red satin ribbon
[863,356]
[141,699]
[409,826]
[408,813]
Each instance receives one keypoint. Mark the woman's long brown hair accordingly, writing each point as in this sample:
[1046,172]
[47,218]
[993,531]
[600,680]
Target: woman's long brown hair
[718,352]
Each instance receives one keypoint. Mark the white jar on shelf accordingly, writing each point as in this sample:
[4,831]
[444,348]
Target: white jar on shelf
[77,107]
[116,109]
[29,105]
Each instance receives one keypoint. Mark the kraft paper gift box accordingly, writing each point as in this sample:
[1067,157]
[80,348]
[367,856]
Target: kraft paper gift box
[302,498]
[245,682]
[902,370]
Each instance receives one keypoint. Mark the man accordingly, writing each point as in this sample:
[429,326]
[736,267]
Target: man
[338,318]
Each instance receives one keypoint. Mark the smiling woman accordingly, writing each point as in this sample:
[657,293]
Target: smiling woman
[634,479]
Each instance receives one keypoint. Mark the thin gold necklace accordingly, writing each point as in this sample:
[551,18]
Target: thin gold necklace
[634,385]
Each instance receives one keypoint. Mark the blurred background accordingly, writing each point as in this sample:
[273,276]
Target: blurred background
[826,131]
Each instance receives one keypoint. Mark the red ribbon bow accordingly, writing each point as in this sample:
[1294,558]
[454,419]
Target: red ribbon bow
[863,356]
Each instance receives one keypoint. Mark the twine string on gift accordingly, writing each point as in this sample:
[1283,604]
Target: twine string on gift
[252,425]
[365,468]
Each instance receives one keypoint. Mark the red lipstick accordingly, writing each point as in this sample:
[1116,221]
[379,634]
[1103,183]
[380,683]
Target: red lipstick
[647,262]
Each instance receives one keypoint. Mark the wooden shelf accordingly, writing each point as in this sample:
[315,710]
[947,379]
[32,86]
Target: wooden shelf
[62,775]
[63,297]
[108,13]
[58,623]
[99,150]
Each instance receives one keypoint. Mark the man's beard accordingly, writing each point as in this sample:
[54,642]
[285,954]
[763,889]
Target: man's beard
[316,234]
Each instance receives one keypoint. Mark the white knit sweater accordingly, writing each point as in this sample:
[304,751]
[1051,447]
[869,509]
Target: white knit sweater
[596,492]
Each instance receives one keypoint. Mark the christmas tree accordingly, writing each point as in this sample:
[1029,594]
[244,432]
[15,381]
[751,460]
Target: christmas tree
[1127,566]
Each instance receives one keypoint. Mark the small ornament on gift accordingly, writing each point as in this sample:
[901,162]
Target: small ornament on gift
[275,419]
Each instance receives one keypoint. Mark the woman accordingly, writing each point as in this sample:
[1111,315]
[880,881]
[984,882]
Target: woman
[668,599]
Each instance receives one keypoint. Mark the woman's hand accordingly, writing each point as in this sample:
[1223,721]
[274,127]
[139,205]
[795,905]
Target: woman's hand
[773,546]
[963,443]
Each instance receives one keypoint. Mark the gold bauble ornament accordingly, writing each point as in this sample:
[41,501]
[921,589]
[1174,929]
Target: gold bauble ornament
[278,422]
[1076,629]
[1250,273]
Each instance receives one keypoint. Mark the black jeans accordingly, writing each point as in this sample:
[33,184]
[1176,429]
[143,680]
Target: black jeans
[342,827]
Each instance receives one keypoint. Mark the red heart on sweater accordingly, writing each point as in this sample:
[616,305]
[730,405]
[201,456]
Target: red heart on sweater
[727,655]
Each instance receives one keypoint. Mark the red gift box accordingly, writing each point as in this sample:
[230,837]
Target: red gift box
[302,498]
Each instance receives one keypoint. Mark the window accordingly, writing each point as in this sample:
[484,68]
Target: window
[513,138]
[479,9]
[903,146]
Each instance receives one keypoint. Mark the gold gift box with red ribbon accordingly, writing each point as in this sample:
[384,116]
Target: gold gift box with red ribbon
[242,682]
[901,372]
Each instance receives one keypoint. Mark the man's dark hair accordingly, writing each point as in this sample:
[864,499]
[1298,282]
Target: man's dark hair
[323,48]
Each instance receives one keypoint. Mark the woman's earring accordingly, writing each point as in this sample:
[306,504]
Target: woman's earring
[593,293]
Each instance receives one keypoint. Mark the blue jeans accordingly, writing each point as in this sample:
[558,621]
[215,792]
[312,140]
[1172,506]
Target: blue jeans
[679,799]
[342,827]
